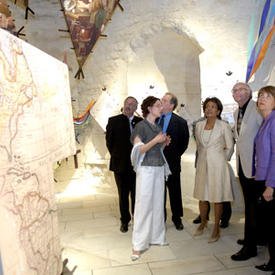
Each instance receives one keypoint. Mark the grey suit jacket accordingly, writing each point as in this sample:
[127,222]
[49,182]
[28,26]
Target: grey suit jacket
[245,139]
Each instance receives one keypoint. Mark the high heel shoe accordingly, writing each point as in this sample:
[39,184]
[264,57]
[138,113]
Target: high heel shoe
[214,239]
[135,256]
[199,231]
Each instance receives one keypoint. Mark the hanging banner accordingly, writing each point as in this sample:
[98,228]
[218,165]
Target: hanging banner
[266,31]
[6,21]
[86,20]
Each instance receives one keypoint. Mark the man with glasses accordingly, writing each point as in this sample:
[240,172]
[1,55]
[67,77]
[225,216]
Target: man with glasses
[247,122]
[175,127]
[118,132]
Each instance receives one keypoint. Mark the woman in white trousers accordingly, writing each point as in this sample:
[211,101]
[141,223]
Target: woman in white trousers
[151,168]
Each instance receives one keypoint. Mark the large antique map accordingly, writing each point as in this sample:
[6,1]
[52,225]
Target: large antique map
[36,129]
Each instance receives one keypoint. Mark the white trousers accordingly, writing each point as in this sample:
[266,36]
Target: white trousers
[149,226]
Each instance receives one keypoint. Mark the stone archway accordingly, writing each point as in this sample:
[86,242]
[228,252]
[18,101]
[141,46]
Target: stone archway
[169,62]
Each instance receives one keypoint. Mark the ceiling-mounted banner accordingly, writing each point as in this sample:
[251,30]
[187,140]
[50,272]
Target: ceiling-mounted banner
[6,21]
[266,31]
[86,20]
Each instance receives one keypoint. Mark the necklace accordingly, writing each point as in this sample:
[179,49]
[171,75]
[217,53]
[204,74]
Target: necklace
[208,127]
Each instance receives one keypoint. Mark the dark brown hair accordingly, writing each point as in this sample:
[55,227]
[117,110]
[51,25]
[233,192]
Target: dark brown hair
[148,102]
[216,101]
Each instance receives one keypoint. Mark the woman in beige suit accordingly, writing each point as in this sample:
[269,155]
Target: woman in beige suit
[215,147]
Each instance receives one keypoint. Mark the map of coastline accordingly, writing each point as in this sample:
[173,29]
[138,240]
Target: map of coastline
[36,129]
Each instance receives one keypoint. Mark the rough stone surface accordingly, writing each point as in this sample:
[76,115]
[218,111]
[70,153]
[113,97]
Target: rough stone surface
[181,46]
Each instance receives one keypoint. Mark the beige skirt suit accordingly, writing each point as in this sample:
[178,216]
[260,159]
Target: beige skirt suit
[212,181]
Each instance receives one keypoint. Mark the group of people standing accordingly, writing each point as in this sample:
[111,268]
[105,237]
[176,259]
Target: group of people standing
[146,156]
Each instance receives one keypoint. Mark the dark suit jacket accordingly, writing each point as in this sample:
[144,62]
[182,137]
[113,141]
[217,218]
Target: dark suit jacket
[179,133]
[118,142]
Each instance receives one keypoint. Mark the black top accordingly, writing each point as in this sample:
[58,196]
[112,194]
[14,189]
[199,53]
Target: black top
[242,109]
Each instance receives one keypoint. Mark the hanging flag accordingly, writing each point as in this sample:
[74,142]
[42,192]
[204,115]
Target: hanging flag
[252,33]
[266,31]
[263,51]
[86,20]
[6,21]
[82,118]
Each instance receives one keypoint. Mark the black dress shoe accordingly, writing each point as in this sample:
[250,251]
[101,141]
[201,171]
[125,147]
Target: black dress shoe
[179,225]
[240,241]
[124,227]
[266,267]
[224,224]
[198,219]
[244,254]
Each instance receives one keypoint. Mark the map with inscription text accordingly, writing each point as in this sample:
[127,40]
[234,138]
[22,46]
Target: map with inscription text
[36,129]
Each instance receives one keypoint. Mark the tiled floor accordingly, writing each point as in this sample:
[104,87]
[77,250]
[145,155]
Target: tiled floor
[89,228]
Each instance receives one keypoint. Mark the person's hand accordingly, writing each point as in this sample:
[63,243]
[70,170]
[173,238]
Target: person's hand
[168,140]
[160,138]
[268,193]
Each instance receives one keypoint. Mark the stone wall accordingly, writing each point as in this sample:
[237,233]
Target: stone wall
[181,46]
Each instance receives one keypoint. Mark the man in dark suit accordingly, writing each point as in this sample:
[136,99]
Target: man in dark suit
[175,127]
[118,132]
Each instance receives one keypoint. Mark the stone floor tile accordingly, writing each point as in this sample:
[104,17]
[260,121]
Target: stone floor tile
[188,266]
[236,271]
[86,260]
[136,269]
[154,253]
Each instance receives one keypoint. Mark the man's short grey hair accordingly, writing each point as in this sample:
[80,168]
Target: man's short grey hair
[246,85]
[173,100]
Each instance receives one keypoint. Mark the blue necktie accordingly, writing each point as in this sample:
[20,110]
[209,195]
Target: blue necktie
[161,121]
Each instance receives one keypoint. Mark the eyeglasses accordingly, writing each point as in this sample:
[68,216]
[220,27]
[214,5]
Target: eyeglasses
[238,89]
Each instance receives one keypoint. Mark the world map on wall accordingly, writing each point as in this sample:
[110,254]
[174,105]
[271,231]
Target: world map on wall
[36,129]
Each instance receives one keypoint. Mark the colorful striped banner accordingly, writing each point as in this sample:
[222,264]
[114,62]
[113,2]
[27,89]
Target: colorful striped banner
[266,32]
[82,118]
